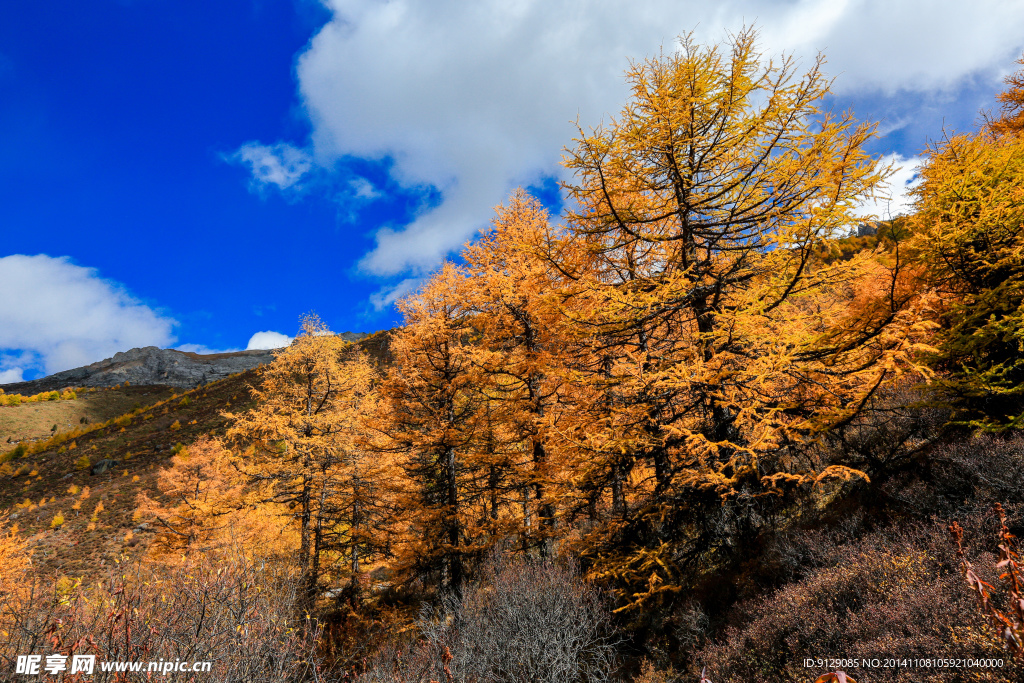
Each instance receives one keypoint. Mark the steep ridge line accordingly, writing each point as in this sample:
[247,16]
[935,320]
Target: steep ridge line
[154,366]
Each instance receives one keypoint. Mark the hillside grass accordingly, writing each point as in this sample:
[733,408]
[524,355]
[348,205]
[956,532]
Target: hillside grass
[33,421]
[133,425]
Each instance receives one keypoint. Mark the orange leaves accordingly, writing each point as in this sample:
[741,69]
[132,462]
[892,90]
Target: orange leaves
[203,493]
[307,457]
[708,337]
[430,416]
[970,239]
[745,174]
[1009,624]
[1011,120]
[703,213]
[841,473]
[835,677]
[14,558]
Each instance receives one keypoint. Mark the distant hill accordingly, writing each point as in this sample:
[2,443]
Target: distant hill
[148,423]
[37,485]
[154,366]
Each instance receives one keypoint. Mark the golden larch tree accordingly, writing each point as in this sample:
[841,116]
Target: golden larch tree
[303,441]
[969,232]
[432,423]
[202,495]
[514,297]
[716,336]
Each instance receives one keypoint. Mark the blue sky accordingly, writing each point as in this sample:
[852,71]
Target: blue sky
[190,174]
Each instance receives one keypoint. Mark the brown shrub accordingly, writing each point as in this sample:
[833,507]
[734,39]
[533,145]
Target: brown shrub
[523,622]
[895,594]
[232,611]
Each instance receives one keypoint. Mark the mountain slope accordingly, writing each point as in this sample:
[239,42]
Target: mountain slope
[139,428]
[148,366]
[36,486]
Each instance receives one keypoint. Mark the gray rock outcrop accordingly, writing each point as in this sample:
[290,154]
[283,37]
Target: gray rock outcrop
[152,365]
[147,366]
[104,465]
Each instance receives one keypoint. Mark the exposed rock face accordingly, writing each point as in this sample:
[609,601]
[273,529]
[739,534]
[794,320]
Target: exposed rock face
[865,229]
[104,466]
[149,365]
[152,365]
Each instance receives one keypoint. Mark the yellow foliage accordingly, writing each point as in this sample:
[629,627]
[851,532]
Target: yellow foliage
[1011,119]
[204,491]
[969,236]
[17,399]
[305,432]
[14,559]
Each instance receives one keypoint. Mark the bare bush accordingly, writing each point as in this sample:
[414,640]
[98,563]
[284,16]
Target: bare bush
[530,622]
[984,470]
[894,594]
[895,426]
[232,611]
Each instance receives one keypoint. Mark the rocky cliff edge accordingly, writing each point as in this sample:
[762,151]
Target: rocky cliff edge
[149,365]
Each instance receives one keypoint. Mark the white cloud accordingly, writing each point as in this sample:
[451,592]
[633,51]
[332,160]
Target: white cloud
[14,363]
[363,189]
[281,165]
[389,295]
[475,98]
[60,315]
[894,198]
[268,340]
[915,45]
[11,375]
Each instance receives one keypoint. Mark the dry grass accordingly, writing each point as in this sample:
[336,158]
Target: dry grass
[80,547]
[33,420]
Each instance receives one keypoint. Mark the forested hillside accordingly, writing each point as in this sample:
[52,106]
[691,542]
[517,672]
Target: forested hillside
[691,430]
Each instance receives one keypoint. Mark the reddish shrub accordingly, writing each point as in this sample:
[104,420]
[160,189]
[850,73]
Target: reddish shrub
[892,595]
[230,611]
[1008,622]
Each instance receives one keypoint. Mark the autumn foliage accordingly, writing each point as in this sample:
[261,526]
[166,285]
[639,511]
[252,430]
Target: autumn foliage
[969,233]
[304,454]
[203,496]
[694,410]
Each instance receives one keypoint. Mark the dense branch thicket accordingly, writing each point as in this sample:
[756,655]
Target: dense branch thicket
[230,610]
[522,621]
